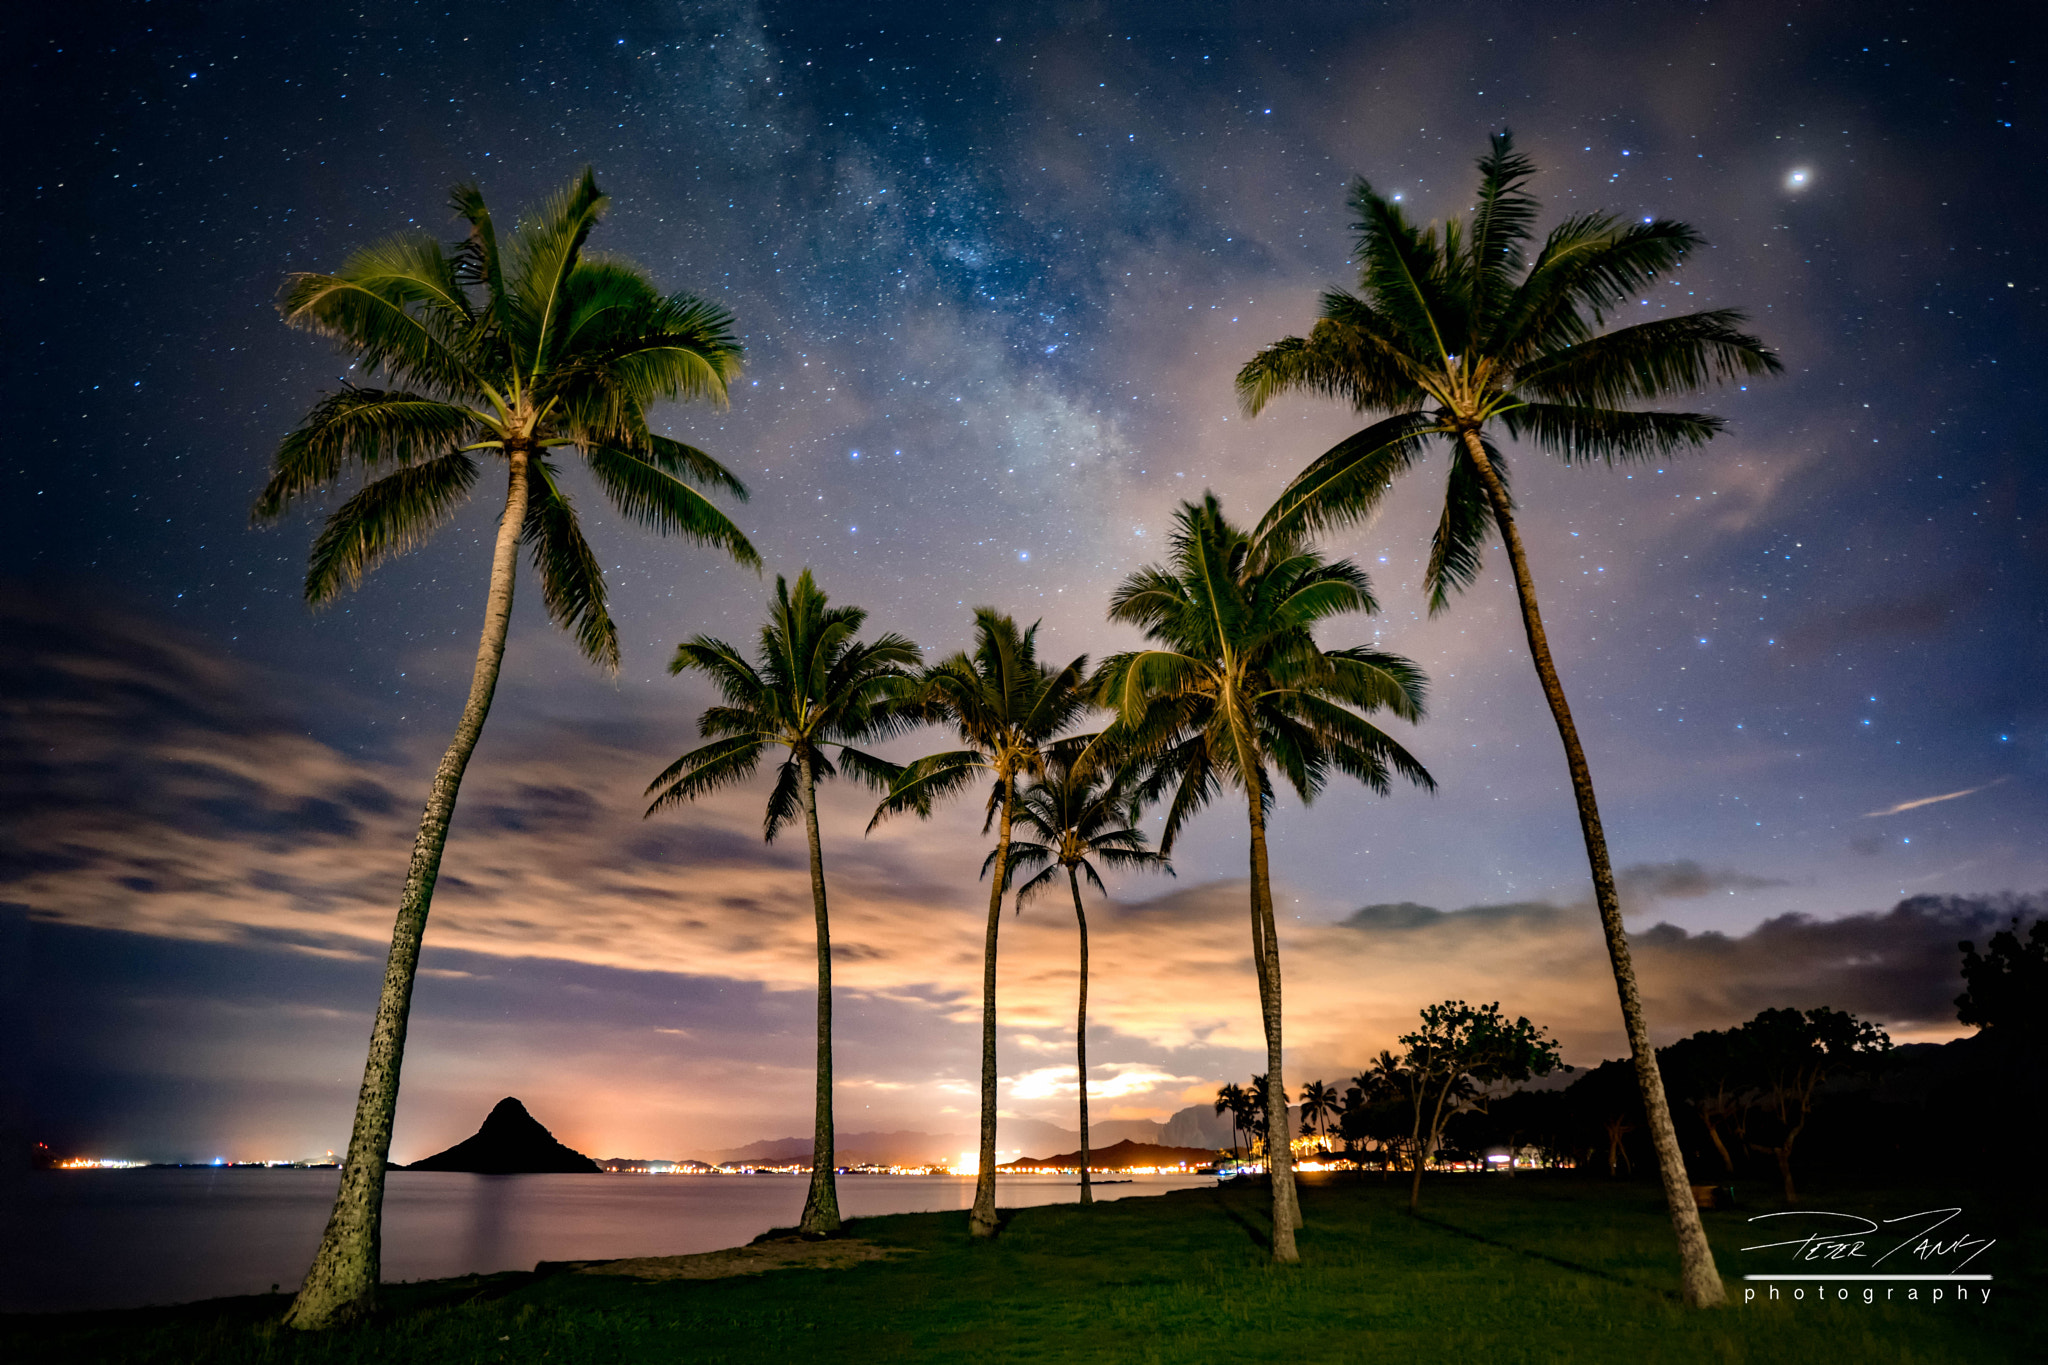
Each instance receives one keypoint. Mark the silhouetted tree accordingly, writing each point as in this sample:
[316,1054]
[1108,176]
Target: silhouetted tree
[1709,1072]
[1790,1053]
[2007,983]
[1458,1050]
[1605,1106]
[1386,1111]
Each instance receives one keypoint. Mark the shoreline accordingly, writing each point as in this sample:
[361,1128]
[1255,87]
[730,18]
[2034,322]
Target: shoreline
[1502,1270]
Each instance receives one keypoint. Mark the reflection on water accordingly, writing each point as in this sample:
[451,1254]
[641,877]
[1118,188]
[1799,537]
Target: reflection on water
[117,1239]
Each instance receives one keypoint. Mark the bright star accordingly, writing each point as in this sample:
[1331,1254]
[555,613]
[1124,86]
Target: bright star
[1798,179]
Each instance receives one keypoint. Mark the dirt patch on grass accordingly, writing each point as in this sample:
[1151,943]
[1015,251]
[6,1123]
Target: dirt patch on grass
[833,1253]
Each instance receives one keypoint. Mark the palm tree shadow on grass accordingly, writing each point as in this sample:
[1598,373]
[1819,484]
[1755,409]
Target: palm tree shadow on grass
[1562,1263]
[1260,1238]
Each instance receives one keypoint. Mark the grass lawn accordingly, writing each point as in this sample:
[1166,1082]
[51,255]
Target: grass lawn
[1536,1268]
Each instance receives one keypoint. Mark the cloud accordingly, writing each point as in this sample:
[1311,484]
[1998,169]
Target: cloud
[1125,1080]
[1899,967]
[1684,880]
[165,795]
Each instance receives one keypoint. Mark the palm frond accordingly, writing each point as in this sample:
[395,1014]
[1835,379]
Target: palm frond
[709,769]
[928,780]
[1500,225]
[1360,749]
[1046,880]
[1346,483]
[571,579]
[666,504]
[1631,258]
[1402,271]
[1648,361]
[476,261]
[1024,856]
[1315,592]
[1458,547]
[785,801]
[531,341]
[1131,682]
[544,256]
[690,464]
[396,306]
[386,518]
[878,773]
[1353,353]
[728,669]
[1188,772]
[1577,432]
[364,426]
[1374,680]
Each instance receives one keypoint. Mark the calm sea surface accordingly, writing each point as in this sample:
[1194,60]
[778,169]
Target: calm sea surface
[121,1239]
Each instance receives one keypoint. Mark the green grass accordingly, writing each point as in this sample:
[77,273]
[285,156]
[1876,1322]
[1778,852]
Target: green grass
[1534,1269]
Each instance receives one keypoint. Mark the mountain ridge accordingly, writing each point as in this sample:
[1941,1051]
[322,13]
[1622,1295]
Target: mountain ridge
[1194,1126]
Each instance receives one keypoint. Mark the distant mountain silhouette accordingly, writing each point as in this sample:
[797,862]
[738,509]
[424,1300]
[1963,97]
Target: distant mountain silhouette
[1124,1156]
[511,1142]
[1196,1126]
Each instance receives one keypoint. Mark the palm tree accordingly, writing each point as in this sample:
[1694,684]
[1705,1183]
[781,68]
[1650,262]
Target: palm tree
[1231,1100]
[1257,1119]
[1319,1104]
[1386,1081]
[1007,709]
[1234,685]
[813,687]
[1074,813]
[1452,338]
[514,356]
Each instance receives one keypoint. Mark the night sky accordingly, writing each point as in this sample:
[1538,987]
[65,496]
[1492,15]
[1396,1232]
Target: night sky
[994,276]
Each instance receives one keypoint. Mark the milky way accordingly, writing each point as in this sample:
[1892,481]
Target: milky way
[994,278]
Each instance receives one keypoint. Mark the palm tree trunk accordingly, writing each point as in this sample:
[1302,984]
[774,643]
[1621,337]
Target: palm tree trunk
[1700,1281]
[1279,1152]
[342,1284]
[821,1205]
[1081,1032]
[982,1221]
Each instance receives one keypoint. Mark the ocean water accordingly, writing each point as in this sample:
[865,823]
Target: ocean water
[77,1240]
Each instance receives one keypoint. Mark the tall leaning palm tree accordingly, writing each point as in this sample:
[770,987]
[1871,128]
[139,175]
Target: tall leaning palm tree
[1007,709]
[1458,336]
[1076,815]
[493,356]
[812,687]
[1234,689]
